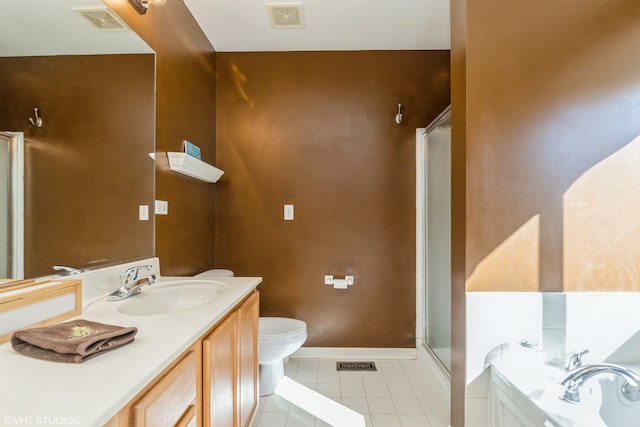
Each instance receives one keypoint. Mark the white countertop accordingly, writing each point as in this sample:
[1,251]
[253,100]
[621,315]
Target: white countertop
[90,393]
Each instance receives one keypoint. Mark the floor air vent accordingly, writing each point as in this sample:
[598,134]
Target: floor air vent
[356,366]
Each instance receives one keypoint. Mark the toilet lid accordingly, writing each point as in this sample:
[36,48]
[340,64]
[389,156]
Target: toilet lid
[274,326]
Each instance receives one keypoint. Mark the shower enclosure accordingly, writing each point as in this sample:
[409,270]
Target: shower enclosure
[433,164]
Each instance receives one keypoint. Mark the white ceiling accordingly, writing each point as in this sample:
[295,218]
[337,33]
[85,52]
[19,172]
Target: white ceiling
[51,27]
[243,25]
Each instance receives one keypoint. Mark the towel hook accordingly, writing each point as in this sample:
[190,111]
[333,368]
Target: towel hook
[38,120]
[399,115]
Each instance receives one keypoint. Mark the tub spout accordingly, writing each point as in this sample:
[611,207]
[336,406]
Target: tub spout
[574,379]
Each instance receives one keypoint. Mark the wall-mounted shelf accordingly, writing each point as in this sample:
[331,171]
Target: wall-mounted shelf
[195,168]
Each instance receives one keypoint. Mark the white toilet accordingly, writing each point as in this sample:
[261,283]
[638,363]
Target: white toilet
[278,338]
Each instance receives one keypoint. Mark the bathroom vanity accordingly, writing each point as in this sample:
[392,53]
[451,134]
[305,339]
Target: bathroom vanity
[193,361]
[215,379]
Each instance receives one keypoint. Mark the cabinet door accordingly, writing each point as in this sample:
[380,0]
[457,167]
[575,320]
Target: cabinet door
[248,358]
[219,374]
[172,399]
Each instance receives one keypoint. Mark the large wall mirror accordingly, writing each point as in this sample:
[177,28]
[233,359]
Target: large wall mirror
[87,168]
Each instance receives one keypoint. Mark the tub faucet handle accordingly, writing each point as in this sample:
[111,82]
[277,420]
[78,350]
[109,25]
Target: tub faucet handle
[575,361]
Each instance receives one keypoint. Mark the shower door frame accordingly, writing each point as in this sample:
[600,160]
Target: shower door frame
[421,243]
[15,202]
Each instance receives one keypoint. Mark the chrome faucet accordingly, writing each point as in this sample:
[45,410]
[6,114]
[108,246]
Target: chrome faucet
[64,271]
[575,378]
[575,361]
[130,284]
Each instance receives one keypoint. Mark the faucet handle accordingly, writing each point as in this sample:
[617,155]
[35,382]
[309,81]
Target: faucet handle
[131,273]
[66,270]
[575,361]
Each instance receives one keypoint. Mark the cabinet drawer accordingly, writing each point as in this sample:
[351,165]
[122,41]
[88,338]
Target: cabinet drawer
[172,399]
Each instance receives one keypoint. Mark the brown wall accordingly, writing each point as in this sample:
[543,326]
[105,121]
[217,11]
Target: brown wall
[87,168]
[316,129]
[545,100]
[552,114]
[185,109]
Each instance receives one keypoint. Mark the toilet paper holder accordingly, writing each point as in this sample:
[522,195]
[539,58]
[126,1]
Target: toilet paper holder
[338,283]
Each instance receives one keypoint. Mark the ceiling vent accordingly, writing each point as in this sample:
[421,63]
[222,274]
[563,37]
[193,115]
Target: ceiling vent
[285,15]
[102,18]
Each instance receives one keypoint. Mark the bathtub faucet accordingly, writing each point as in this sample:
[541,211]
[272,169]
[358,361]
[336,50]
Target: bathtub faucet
[575,378]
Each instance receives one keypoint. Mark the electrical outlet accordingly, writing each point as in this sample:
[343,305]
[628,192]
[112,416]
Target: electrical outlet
[162,207]
[143,212]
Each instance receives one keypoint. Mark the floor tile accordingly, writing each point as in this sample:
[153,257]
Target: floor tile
[375,377]
[438,420]
[385,420]
[308,364]
[329,389]
[350,377]
[435,405]
[381,406]
[428,391]
[306,376]
[377,390]
[413,420]
[401,390]
[328,377]
[408,406]
[353,390]
[274,403]
[401,393]
[272,419]
[296,419]
[358,404]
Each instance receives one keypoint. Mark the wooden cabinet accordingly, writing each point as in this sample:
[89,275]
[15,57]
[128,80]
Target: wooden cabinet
[172,400]
[248,359]
[230,368]
[213,384]
[219,374]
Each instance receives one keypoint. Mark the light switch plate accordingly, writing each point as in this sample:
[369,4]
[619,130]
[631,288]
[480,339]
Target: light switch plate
[143,212]
[288,212]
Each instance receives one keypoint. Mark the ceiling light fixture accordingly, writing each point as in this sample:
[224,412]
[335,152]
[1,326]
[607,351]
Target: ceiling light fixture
[143,5]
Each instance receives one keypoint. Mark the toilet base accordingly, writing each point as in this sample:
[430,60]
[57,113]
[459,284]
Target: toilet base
[270,376]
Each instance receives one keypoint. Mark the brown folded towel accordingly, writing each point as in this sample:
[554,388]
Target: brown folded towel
[71,342]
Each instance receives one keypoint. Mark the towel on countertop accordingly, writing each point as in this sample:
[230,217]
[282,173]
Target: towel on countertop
[71,342]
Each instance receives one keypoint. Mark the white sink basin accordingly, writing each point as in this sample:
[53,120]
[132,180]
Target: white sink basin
[170,297]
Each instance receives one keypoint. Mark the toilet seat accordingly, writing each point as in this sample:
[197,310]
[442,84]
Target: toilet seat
[278,328]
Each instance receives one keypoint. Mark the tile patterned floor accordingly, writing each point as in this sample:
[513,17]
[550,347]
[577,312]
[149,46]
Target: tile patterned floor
[401,393]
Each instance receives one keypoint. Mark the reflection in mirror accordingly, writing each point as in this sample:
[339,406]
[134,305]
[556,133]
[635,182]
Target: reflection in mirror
[87,169]
[11,191]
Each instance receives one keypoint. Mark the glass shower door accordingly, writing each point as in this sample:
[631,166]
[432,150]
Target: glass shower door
[438,238]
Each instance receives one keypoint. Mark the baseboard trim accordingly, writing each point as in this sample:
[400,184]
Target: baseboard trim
[355,353]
